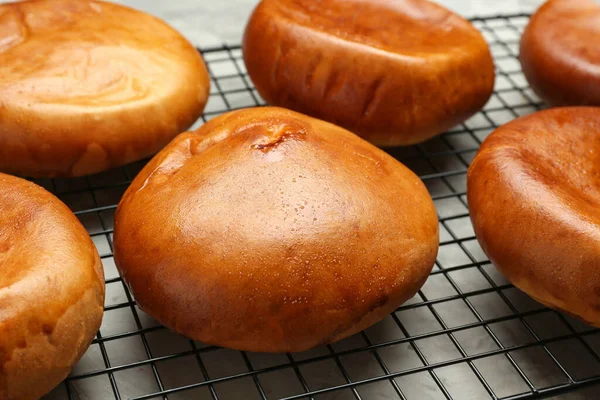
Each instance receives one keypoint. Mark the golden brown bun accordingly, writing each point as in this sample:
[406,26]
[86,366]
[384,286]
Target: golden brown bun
[51,290]
[394,72]
[560,54]
[87,85]
[534,198]
[268,230]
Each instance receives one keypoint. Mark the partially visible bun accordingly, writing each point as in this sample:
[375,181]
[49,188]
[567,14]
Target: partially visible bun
[86,86]
[560,52]
[268,230]
[51,290]
[393,72]
[534,199]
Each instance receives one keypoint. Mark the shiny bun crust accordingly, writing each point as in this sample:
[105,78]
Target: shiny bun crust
[273,231]
[51,290]
[560,52]
[534,199]
[86,86]
[394,72]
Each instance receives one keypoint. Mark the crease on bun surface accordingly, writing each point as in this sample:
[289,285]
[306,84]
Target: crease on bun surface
[560,53]
[51,290]
[273,231]
[395,72]
[534,199]
[87,85]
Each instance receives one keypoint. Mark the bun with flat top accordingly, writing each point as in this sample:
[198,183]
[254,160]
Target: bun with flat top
[560,54]
[396,72]
[534,199]
[86,86]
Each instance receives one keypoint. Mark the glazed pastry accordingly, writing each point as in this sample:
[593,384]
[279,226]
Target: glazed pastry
[534,199]
[86,86]
[560,53]
[273,231]
[395,72]
[51,290]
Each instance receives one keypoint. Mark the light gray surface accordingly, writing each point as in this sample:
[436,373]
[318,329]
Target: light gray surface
[209,23]
[213,22]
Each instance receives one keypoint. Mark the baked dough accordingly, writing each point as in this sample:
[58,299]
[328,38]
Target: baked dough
[534,199]
[86,86]
[273,231]
[51,290]
[560,52]
[395,72]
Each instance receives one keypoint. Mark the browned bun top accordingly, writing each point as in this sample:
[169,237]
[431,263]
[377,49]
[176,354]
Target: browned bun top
[87,85]
[534,198]
[51,290]
[400,27]
[395,72]
[560,52]
[273,231]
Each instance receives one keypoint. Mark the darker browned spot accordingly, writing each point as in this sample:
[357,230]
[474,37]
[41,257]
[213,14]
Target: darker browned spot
[5,357]
[22,344]
[47,329]
[381,301]
[275,307]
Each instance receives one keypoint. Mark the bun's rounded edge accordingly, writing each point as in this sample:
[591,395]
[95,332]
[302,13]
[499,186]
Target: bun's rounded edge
[52,290]
[531,212]
[555,53]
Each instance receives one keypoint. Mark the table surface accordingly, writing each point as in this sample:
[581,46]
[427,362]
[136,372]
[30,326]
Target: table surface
[209,23]
[212,22]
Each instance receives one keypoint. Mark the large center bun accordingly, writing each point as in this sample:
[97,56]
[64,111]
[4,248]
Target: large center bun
[268,230]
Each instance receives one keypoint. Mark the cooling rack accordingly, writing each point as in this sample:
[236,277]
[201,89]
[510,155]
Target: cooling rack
[467,334]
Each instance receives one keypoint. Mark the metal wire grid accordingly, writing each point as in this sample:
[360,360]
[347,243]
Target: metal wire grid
[468,334]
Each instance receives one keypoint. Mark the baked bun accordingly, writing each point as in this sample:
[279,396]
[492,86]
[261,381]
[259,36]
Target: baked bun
[534,199]
[396,72]
[560,54]
[273,231]
[51,290]
[86,86]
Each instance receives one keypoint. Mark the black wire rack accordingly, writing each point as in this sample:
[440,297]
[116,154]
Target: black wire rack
[467,334]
